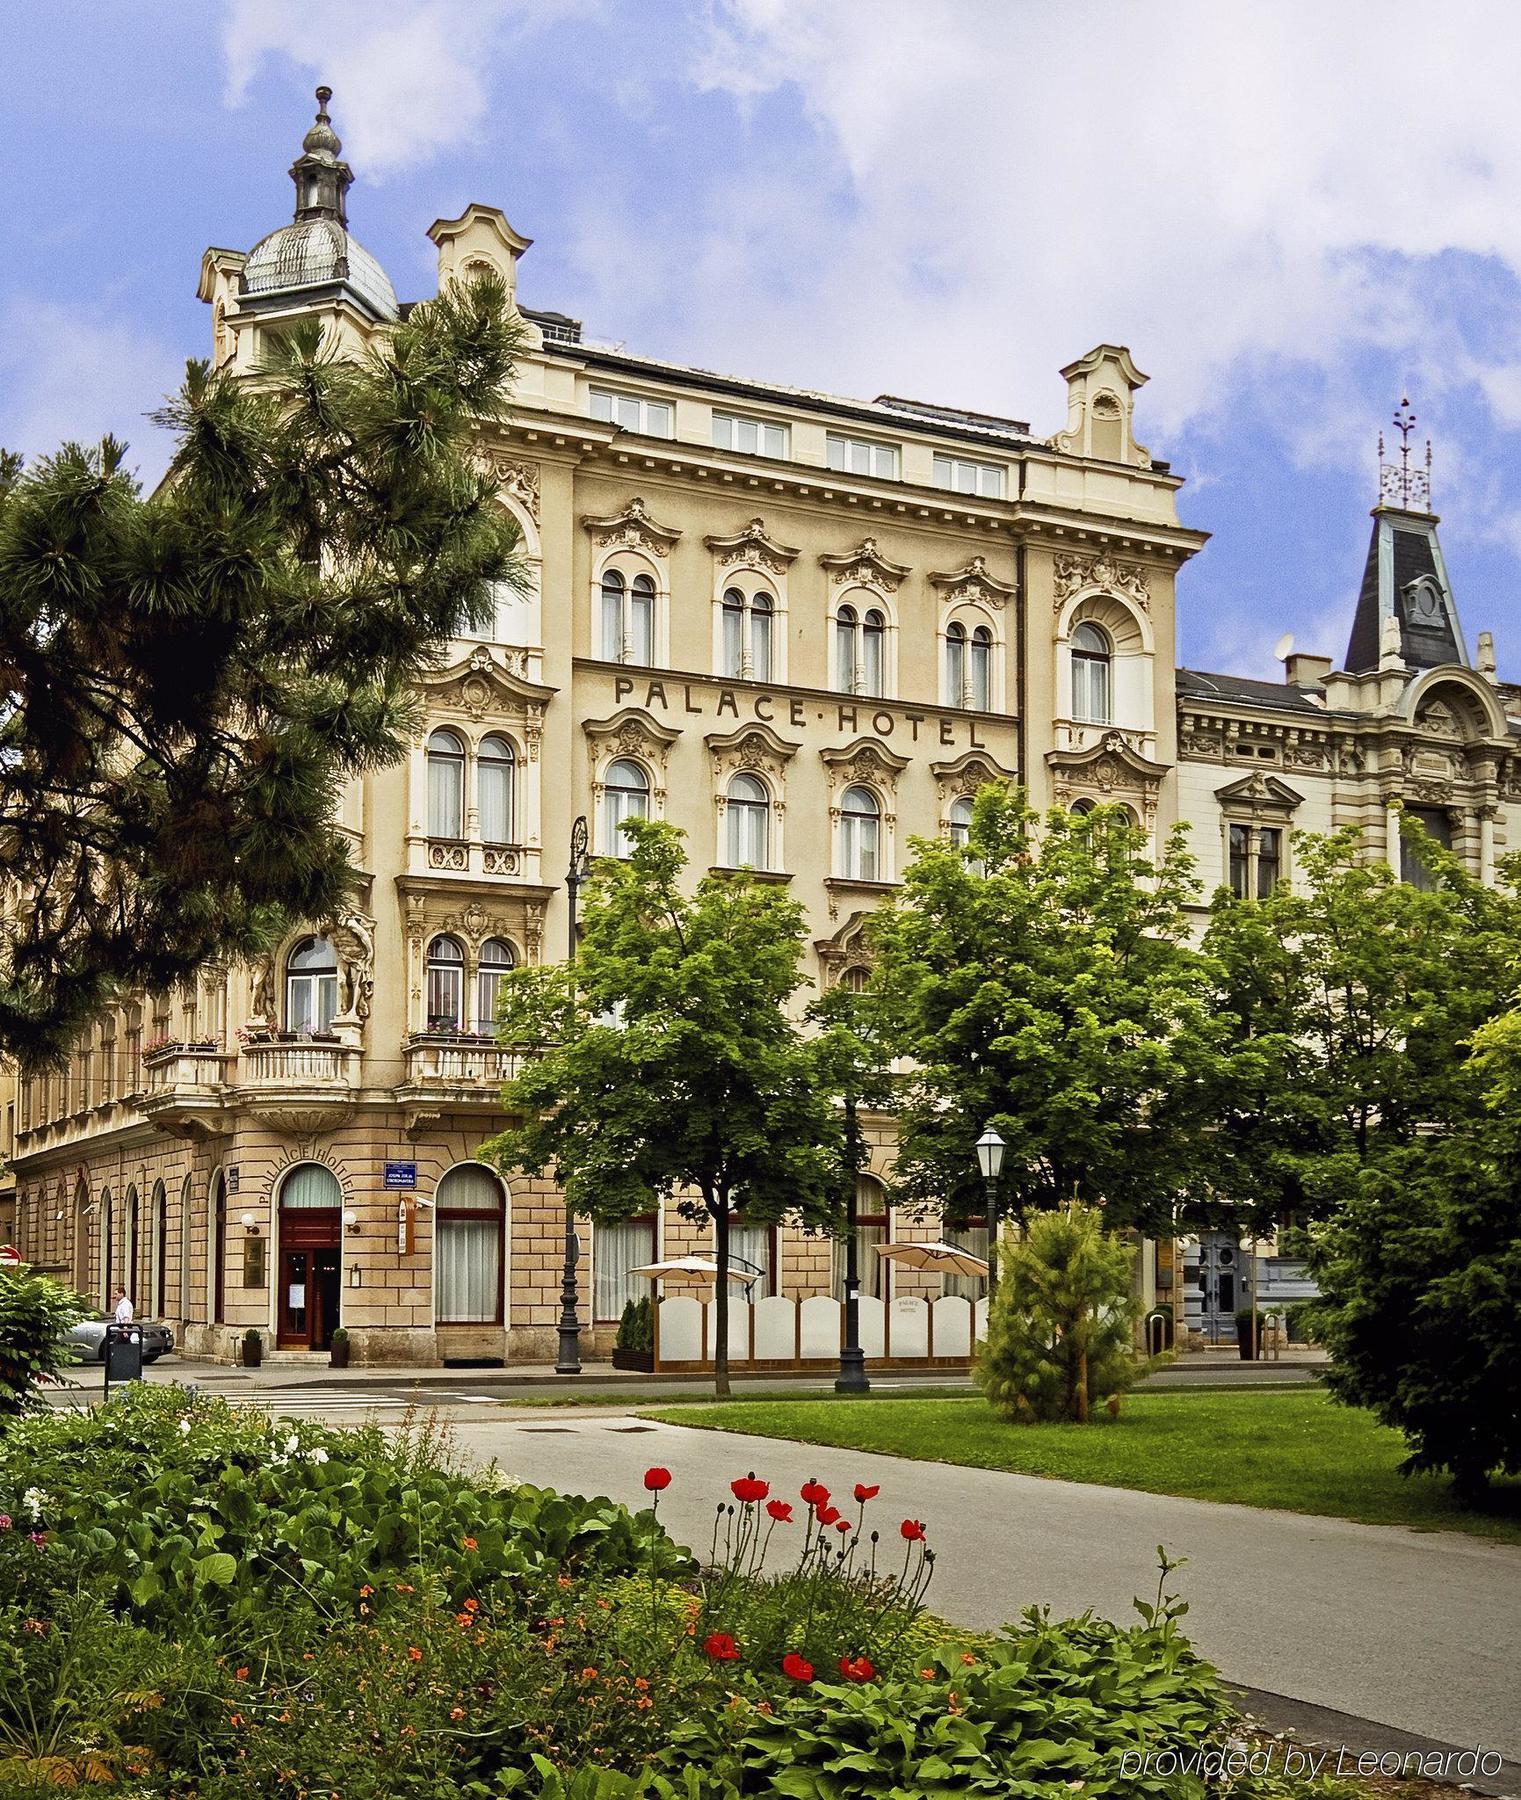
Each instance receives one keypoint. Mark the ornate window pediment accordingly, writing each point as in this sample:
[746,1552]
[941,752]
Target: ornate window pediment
[753,748]
[1259,795]
[866,760]
[632,529]
[961,779]
[1110,770]
[752,549]
[631,732]
[865,566]
[491,683]
[973,585]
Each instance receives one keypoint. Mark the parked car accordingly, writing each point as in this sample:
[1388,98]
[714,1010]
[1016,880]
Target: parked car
[88,1339]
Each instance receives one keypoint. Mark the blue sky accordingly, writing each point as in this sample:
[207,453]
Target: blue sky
[1290,213]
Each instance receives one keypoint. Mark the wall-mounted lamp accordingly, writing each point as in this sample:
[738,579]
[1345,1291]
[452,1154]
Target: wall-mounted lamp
[350,1219]
[354,1275]
[250,1224]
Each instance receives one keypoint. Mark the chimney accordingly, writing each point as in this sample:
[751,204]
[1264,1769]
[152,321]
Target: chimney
[1300,669]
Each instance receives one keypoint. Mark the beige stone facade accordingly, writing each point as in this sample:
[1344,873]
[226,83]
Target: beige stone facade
[803,628]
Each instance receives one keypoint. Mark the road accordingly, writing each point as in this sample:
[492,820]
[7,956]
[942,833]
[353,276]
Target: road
[1417,1631]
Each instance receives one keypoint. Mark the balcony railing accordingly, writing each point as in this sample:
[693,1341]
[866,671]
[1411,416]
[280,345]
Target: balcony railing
[300,1065]
[176,1066]
[441,1060]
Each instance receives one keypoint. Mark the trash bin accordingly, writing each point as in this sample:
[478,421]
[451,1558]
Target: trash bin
[124,1354]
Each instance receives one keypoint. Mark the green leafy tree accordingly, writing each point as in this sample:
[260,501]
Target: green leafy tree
[669,1062]
[189,676]
[1345,1006]
[1420,1277]
[35,1314]
[1040,979]
[1061,1329]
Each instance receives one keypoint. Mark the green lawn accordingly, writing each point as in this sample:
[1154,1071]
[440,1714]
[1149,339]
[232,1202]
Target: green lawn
[1291,1449]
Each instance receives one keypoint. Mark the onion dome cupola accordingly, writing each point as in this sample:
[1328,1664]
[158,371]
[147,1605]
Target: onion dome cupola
[314,258]
[1406,616]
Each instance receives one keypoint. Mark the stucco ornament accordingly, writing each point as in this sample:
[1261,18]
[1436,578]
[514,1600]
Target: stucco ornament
[1080,574]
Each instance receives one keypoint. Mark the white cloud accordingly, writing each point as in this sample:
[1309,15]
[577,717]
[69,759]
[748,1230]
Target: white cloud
[70,374]
[409,76]
[1231,189]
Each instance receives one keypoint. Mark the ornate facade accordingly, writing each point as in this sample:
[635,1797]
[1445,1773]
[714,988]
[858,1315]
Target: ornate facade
[804,628]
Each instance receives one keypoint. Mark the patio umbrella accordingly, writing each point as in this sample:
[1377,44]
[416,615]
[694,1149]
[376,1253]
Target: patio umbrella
[697,1268]
[945,1259]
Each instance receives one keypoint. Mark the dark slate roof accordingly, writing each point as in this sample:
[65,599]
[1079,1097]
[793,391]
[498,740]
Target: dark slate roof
[1429,633]
[1243,690]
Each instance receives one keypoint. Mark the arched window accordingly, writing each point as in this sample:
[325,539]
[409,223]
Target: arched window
[446,785]
[311,985]
[860,835]
[494,767]
[979,683]
[747,813]
[309,1186]
[131,1270]
[446,985]
[960,820]
[747,635]
[1092,657]
[158,1296]
[860,650]
[216,1251]
[469,1221]
[107,1251]
[628,618]
[496,960]
[626,796]
[187,1194]
[955,664]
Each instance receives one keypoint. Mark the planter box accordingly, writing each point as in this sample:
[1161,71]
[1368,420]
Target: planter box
[635,1359]
[338,1355]
[253,1355]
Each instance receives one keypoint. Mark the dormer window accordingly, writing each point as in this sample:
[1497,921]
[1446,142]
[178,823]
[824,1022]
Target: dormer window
[632,412]
[861,456]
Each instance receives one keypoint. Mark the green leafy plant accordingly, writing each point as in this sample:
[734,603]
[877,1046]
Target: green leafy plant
[36,1315]
[1061,1331]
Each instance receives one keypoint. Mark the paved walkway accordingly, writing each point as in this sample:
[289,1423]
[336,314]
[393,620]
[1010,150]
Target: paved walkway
[1417,1631]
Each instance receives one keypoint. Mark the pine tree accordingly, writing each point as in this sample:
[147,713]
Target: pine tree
[189,676]
[1060,1334]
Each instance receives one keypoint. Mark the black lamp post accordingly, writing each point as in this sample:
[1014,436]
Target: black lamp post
[568,1362]
[990,1149]
[852,1376]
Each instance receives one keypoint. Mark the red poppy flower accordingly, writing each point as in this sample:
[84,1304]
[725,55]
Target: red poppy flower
[780,1510]
[749,1490]
[721,1647]
[657,1479]
[794,1667]
[815,1493]
[828,1514]
[843,1525]
[864,1493]
[913,1531]
[857,1668]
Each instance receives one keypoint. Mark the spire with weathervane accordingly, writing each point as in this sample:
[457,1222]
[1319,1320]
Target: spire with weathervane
[322,181]
[1406,617]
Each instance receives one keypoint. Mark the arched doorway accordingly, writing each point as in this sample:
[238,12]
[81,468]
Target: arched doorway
[469,1240]
[186,1195]
[131,1251]
[159,1215]
[81,1239]
[311,1228]
[216,1251]
[107,1251]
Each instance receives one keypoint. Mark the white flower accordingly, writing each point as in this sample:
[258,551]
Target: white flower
[292,1444]
[184,1428]
[319,1455]
[34,1500]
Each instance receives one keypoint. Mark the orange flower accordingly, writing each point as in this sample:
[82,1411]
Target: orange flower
[236,1719]
[588,1674]
[366,1591]
[644,1703]
[469,1543]
[403,1587]
[640,1683]
[240,1675]
[456,1712]
[927,1674]
[470,1605]
[414,1652]
[967,1657]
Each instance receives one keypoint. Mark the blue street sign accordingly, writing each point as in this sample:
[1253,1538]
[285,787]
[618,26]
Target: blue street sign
[401,1174]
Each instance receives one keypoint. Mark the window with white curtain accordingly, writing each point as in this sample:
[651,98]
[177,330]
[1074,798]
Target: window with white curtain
[978,692]
[860,650]
[747,818]
[960,820]
[308,1187]
[616,1249]
[871,1235]
[860,835]
[446,985]
[628,618]
[747,634]
[495,960]
[446,785]
[625,795]
[752,1253]
[1092,699]
[974,1239]
[495,766]
[311,985]
[469,1216]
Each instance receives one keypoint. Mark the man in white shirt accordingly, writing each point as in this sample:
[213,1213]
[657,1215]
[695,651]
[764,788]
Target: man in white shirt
[124,1314]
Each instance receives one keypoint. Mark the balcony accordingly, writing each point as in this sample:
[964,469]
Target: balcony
[454,1072]
[185,1088]
[467,856]
[299,1086]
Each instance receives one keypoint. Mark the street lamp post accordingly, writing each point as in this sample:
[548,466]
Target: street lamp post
[568,1362]
[990,1149]
[852,1377]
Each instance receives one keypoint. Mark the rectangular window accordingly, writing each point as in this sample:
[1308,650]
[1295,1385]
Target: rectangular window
[756,437]
[1437,825]
[861,456]
[1269,860]
[752,1253]
[960,476]
[1241,856]
[632,412]
[615,1250]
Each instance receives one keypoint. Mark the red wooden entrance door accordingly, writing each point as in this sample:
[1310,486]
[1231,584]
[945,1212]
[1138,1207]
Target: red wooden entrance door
[310,1240]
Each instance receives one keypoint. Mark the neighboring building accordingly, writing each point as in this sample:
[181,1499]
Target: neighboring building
[804,629]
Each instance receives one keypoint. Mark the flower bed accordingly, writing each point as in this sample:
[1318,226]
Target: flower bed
[199,1604]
